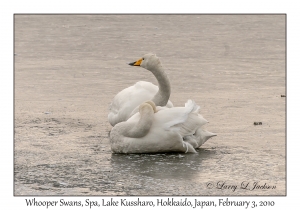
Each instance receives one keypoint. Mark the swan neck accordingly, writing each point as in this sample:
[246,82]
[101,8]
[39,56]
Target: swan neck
[164,88]
[142,127]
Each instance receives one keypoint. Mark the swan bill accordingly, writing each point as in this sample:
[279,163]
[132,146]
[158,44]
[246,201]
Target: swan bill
[136,63]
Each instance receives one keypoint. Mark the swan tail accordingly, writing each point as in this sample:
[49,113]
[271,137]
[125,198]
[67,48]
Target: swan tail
[203,135]
[191,106]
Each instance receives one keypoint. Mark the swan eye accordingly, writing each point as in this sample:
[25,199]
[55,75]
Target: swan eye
[143,58]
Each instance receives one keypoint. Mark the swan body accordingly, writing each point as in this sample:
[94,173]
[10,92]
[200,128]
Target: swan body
[125,104]
[154,130]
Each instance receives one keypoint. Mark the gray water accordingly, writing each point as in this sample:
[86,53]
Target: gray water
[68,68]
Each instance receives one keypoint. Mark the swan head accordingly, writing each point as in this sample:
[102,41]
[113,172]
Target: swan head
[153,105]
[149,61]
[148,105]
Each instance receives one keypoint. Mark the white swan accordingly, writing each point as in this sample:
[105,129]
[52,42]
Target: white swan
[126,103]
[157,129]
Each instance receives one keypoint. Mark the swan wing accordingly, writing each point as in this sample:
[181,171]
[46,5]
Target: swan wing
[184,120]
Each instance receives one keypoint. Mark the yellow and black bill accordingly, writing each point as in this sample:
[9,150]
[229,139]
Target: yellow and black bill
[136,63]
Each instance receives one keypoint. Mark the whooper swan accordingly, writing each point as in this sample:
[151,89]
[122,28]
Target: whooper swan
[126,103]
[153,130]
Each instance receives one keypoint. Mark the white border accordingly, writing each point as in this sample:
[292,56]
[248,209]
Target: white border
[8,8]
